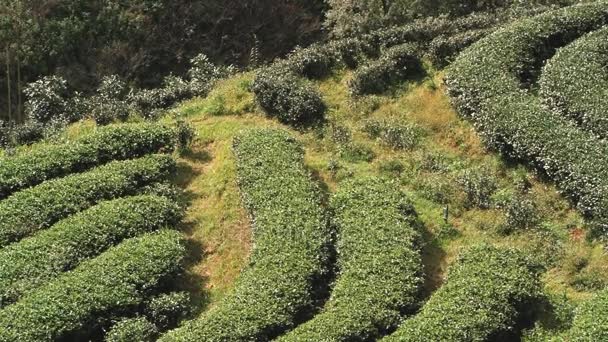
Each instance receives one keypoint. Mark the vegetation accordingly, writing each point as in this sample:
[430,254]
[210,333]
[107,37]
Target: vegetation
[503,284]
[291,239]
[78,301]
[37,208]
[34,261]
[379,262]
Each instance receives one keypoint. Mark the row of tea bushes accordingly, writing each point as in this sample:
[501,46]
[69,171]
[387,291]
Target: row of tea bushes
[486,290]
[37,208]
[36,260]
[105,144]
[114,283]
[573,82]
[393,66]
[379,262]
[488,83]
[290,254]
[591,321]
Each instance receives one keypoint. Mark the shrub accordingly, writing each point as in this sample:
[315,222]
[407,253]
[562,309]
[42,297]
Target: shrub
[290,254]
[39,207]
[443,49]
[590,322]
[117,281]
[131,330]
[512,119]
[394,65]
[478,185]
[282,95]
[46,99]
[572,82]
[34,261]
[392,134]
[110,102]
[354,153]
[379,261]
[203,74]
[486,290]
[168,309]
[103,145]
[521,213]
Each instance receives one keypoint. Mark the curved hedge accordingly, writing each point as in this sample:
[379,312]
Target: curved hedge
[290,253]
[39,207]
[573,82]
[485,290]
[487,83]
[136,329]
[34,261]
[117,281]
[379,261]
[591,320]
[394,65]
[105,144]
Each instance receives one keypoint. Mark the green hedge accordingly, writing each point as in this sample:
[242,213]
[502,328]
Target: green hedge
[116,282]
[137,329]
[39,207]
[34,261]
[443,49]
[485,291]
[393,66]
[573,82]
[379,261]
[591,321]
[105,144]
[488,84]
[290,253]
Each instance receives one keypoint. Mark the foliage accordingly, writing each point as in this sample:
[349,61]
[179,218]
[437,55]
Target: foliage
[394,65]
[289,257]
[133,329]
[168,309]
[288,98]
[110,102]
[590,321]
[379,261]
[512,119]
[443,49]
[400,136]
[47,99]
[486,290]
[116,282]
[32,262]
[478,185]
[39,207]
[571,82]
[103,145]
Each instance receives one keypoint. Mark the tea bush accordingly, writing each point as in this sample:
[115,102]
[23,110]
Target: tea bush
[290,254]
[572,82]
[37,208]
[380,267]
[488,83]
[485,291]
[34,261]
[590,322]
[116,282]
[103,145]
[400,136]
[168,309]
[478,185]
[132,329]
[393,66]
[291,100]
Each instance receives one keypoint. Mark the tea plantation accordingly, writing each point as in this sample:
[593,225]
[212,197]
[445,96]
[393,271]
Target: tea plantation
[440,179]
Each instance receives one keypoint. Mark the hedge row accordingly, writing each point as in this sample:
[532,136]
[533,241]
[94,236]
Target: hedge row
[39,207]
[34,261]
[485,291]
[488,84]
[573,82]
[137,329]
[105,144]
[591,321]
[379,261]
[393,66]
[290,253]
[443,49]
[114,283]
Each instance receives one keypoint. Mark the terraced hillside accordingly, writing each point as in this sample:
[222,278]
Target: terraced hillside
[439,181]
